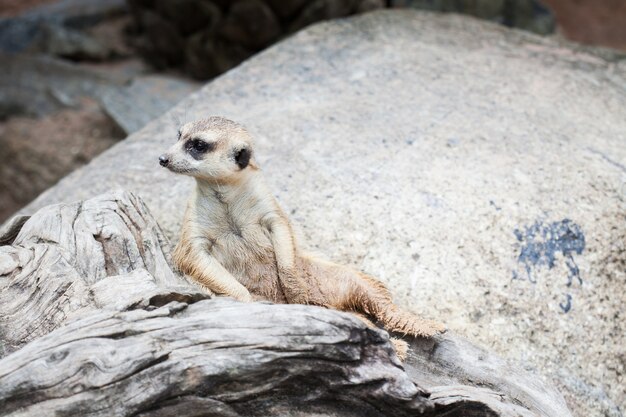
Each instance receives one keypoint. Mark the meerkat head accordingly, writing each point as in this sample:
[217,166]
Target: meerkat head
[212,149]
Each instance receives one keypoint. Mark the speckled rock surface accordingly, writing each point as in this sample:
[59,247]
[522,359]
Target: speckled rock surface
[480,172]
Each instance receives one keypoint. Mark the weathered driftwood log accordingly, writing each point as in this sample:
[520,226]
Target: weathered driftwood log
[56,257]
[94,322]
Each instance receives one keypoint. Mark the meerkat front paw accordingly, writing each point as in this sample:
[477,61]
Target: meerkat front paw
[244,297]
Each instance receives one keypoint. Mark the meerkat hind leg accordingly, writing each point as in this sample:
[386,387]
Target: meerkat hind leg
[362,293]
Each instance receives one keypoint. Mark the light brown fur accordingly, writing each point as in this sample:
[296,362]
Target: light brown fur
[237,241]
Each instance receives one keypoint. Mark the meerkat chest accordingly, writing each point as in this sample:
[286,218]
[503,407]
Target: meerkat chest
[238,235]
[241,242]
[244,248]
[241,236]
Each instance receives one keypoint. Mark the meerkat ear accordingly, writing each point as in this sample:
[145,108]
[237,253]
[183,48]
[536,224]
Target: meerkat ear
[242,157]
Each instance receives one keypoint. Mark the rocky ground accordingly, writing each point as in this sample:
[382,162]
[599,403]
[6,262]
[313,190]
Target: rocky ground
[72,86]
[30,159]
[592,22]
[10,8]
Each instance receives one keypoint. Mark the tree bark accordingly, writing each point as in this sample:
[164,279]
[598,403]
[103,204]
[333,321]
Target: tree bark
[94,322]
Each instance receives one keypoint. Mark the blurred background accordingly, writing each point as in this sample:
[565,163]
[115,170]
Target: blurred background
[80,75]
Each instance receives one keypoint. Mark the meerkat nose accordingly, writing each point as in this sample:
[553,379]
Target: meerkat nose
[164,160]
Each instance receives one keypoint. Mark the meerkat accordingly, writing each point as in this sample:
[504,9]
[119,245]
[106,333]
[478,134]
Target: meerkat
[237,241]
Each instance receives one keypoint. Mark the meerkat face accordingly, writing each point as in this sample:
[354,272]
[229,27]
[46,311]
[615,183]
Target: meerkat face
[211,149]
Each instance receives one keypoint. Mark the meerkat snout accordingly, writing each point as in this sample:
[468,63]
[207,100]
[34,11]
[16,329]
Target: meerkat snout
[164,160]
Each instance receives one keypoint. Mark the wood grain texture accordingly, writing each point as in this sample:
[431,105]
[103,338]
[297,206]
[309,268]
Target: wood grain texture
[94,322]
[55,262]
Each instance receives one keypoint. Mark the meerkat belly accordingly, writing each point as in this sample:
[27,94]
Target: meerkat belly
[247,253]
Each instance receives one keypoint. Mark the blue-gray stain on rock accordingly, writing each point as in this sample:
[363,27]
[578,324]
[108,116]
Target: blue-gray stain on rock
[540,243]
[567,305]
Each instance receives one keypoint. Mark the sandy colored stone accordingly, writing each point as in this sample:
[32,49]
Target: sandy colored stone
[444,163]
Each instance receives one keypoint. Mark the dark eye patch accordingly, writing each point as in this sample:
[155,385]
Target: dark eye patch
[198,147]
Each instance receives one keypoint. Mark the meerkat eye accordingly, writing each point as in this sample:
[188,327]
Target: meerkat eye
[197,147]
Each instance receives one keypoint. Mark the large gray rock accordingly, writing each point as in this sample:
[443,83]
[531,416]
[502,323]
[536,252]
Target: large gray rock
[479,172]
[146,98]
[60,41]
[37,85]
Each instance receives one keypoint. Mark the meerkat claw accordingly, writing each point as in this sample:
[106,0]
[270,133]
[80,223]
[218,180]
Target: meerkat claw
[401,347]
